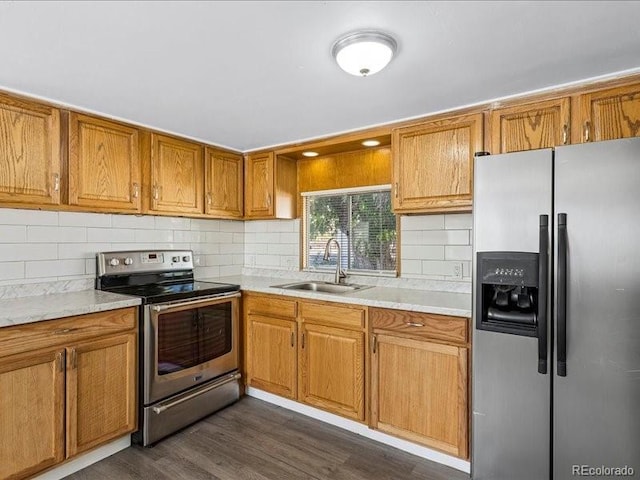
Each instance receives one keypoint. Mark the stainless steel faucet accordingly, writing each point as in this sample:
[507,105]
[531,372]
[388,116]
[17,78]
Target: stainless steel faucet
[340,275]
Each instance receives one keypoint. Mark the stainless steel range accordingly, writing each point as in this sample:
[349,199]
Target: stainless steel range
[188,362]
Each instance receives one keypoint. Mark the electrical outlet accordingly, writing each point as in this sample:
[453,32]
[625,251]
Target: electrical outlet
[457,270]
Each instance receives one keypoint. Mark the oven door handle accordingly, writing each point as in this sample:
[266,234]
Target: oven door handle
[223,381]
[193,303]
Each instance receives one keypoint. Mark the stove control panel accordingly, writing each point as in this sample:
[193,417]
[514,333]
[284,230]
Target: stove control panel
[125,262]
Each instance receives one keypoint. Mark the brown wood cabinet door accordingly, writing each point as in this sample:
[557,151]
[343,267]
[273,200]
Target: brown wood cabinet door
[530,126]
[419,392]
[259,187]
[31,413]
[224,179]
[29,153]
[104,164]
[332,369]
[610,114]
[101,391]
[433,164]
[176,175]
[272,358]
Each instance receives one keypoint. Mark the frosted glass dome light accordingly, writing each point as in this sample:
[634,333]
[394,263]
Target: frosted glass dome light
[364,53]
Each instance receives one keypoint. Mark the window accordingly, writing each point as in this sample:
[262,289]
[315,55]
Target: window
[360,220]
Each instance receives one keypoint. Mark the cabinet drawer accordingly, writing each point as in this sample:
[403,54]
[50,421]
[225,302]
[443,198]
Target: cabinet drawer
[426,325]
[32,336]
[270,306]
[332,314]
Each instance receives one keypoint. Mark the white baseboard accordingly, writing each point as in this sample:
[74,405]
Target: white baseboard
[87,459]
[361,429]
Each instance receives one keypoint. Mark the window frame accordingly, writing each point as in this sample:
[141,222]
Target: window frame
[345,191]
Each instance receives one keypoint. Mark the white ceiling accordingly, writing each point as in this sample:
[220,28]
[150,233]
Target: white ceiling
[253,74]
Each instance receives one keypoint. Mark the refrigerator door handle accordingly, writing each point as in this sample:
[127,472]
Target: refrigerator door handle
[562,295]
[543,271]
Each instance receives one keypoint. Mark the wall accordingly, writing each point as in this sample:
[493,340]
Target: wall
[42,246]
[431,246]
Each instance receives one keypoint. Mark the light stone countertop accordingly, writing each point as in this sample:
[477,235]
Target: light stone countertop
[17,311]
[427,301]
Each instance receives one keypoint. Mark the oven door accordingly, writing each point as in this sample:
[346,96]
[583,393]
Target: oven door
[187,343]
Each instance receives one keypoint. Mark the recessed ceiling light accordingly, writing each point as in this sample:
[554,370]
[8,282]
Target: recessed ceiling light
[310,154]
[371,143]
[364,53]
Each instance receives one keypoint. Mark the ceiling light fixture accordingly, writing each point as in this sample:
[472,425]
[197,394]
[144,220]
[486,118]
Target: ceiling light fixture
[364,53]
[310,154]
[371,143]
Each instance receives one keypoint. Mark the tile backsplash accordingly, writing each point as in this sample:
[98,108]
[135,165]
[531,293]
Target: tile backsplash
[433,248]
[41,246]
[37,247]
[436,247]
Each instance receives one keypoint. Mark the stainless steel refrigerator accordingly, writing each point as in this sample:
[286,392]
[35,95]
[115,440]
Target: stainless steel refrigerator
[556,336]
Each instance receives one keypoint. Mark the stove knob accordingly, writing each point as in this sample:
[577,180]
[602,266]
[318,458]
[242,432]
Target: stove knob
[186,258]
[128,261]
[175,259]
[114,262]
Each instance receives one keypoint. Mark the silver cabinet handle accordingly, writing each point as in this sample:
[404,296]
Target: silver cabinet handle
[74,358]
[209,198]
[155,192]
[414,324]
[62,331]
[268,200]
[374,344]
[60,362]
[136,190]
[302,343]
[396,190]
[587,133]
[223,381]
[56,182]
[565,134]
[293,339]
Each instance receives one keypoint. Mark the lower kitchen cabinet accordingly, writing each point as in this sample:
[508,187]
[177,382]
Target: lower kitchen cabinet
[419,383]
[101,391]
[332,369]
[80,368]
[31,412]
[419,392]
[272,355]
[417,386]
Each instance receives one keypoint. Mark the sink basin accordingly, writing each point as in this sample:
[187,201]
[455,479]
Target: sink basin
[324,287]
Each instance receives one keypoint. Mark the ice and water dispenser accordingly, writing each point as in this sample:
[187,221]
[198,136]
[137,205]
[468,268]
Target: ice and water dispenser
[507,296]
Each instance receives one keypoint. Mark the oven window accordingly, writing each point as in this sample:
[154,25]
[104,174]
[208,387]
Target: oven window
[191,337]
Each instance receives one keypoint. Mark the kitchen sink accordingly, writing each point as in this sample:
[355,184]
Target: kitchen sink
[324,287]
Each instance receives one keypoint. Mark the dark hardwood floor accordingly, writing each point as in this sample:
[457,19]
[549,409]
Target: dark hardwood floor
[254,440]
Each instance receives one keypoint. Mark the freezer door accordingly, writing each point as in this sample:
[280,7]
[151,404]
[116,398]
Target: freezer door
[511,400]
[597,404]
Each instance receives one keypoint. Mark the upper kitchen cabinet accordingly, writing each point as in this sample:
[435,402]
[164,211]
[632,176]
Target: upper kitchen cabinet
[176,183]
[433,164]
[609,114]
[104,164]
[270,186]
[224,183]
[530,126]
[29,153]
